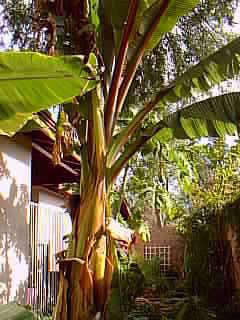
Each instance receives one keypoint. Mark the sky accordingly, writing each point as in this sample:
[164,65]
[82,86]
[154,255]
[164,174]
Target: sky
[236,22]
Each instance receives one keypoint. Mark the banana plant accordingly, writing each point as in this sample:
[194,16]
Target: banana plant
[109,40]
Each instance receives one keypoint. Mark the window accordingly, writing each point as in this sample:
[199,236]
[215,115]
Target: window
[161,253]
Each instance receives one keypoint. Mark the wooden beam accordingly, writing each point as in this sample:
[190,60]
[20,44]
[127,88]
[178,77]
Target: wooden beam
[49,156]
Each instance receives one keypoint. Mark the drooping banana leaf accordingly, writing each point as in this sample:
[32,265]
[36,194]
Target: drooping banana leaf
[215,116]
[222,65]
[15,312]
[10,126]
[36,123]
[30,82]
[23,123]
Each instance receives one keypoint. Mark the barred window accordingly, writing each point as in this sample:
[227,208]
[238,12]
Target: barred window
[162,253]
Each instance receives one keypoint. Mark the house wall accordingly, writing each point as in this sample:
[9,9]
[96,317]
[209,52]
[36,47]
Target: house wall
[47,197]
[15,188]
[166,236]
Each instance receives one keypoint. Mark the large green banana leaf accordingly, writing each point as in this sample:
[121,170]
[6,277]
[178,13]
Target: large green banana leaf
[215,116]
[30,82]
[14,312]
[224,64]
[23,122]
[10,126]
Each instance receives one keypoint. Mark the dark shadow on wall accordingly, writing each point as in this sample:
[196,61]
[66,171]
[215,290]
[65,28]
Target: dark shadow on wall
[13,233]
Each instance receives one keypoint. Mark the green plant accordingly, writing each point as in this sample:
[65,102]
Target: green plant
[14,312]
[115,308]
[113,38]
[211,202]
[193,309]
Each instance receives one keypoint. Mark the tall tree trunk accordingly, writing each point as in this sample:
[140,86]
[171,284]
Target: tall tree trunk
[86,272]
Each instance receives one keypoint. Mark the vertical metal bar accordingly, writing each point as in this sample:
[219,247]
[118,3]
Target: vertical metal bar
[41,264]
[57,249]
[50,266]
[46,229]
[30,258]
[37,232]
[43,275]
[40,277]
[32,255]
[39,257]
[35,256]
[31,264]
[54,252]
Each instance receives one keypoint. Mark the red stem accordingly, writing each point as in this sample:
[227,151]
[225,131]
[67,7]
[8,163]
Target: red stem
[132,149]
[134,65]
[113,92]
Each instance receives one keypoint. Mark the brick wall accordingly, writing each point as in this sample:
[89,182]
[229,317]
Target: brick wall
[166,236]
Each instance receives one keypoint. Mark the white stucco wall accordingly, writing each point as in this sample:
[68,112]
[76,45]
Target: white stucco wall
[15,188]
[47,197]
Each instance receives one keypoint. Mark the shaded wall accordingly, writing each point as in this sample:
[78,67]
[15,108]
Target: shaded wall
[232,236]
[15,182]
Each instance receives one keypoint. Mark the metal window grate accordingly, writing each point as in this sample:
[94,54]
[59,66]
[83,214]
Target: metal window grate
[162,253]
[47,226]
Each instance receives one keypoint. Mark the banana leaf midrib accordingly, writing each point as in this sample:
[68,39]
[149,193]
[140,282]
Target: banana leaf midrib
[41,76]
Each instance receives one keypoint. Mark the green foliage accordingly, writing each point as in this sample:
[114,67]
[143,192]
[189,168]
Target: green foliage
[114,306]
[138,224]
[193,309]
[210,207]
[31,82]
[151,175]
[10,126]
[204,118]
[197,35]
[16,23]
[135,221]
[217,166]
[154,278]
[146,185]
[195,120]
[146,15]
[174,10]
[128,284]
[208,257]
[132,283]
[15,312]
